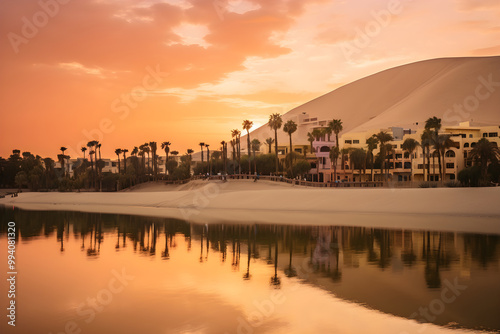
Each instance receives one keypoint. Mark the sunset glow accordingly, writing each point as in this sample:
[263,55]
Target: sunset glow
[127,72]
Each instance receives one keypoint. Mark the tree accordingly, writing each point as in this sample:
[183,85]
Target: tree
[334,156]
[434,123]
[483,153]
[124,151]
[290,127]
[166,147]
[147,149]
[310,139]
[236,134]
[154,148]
[275,123]
[118,151]
[269,142]
[301,167]
[410,145]
[383,137]
[224,155]
[358,159]
[63,159]
[83,151]
[441,144]
[372,143]
[255,147]
[425,143]
[202,146]
[190,154]
[247,125]
[389,153]
[337,127]
[208,159]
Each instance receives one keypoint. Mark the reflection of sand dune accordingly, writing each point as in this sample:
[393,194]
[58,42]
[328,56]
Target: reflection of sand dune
[407,94]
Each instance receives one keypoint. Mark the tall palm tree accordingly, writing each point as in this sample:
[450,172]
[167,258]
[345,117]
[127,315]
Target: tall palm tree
[372,143]
[337,127]
[236,134]
[484,152]
[389,151]
[310,139]
[118,151]
[334,156]
[208,159]
[434,123]
[154,148]
[383,137]
[224,155]
[202,146]
[84,149]
[441,144]
[135,150]
[147,150]
[290,127]
[410,145]
[269,142]
[124,151]
[328,131]
[425,143]
[91,145]
[358,158]
[275,123]
[166,146]
[255,147]
[63,160]
[247,125]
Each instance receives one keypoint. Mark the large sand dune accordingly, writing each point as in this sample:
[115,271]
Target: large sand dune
[243,201]
[406,95]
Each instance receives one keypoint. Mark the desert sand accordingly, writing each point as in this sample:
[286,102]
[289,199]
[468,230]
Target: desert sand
[244,201]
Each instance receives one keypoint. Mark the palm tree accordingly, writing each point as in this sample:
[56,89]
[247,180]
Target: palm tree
[310,139]
[63,160]
[425,142]
[255,147]
[269,142]
[118,151]
[154,147]
[389,151]
[208,159]
[124,151]
[90,145]
[166,146]
[358,158]
[484,152]
[202,145]
[224,155]
[410,145]
[84,149]
[334,156]
[190,154]
[441,144]
[247,125]
[434,123]
[135,150]
[147,149]
[236,134]
[336,126]
[328,131]
[275,123]
[372,143]
[290,127]
[383,137]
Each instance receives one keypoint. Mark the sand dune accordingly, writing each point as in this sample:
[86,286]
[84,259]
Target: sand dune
[447,209]
[405,95]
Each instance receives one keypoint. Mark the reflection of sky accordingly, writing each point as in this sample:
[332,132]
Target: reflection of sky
[182,295]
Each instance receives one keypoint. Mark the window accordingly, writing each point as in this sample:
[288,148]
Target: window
[485,135]
[399,165]
[348,141]
[114,164]
[450,154]
[298,150]
[399,156]
[394,146]
[420,166]
[407,165]
[470,136]
[493,134]
[473,145]
[407,155]
[464,135]
[324,149]
[465,154]
[466,145]
[355,141]
[450,165]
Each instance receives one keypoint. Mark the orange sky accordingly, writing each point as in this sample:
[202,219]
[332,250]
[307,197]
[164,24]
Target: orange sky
[191,70]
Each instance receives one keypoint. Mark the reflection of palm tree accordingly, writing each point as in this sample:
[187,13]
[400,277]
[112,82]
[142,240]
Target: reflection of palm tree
[290,271]
[247,275]
[275,280]
[165,254]
[432,274]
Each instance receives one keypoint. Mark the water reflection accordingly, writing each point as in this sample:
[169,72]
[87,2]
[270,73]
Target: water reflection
[394,271]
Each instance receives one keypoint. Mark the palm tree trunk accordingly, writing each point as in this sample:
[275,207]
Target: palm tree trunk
[439,161]
[276,149]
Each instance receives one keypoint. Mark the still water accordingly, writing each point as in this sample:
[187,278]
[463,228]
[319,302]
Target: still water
[103,273]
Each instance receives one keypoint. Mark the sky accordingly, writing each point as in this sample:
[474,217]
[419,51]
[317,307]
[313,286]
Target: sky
[187,71]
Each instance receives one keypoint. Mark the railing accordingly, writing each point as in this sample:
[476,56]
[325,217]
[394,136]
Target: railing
[366,184]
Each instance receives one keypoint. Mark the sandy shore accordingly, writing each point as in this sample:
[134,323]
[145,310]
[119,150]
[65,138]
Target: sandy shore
[243,201]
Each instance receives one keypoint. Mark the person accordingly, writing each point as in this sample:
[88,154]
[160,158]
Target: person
[256,177]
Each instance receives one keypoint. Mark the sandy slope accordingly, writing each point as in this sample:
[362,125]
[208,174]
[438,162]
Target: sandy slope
[451,209]
[404,95]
